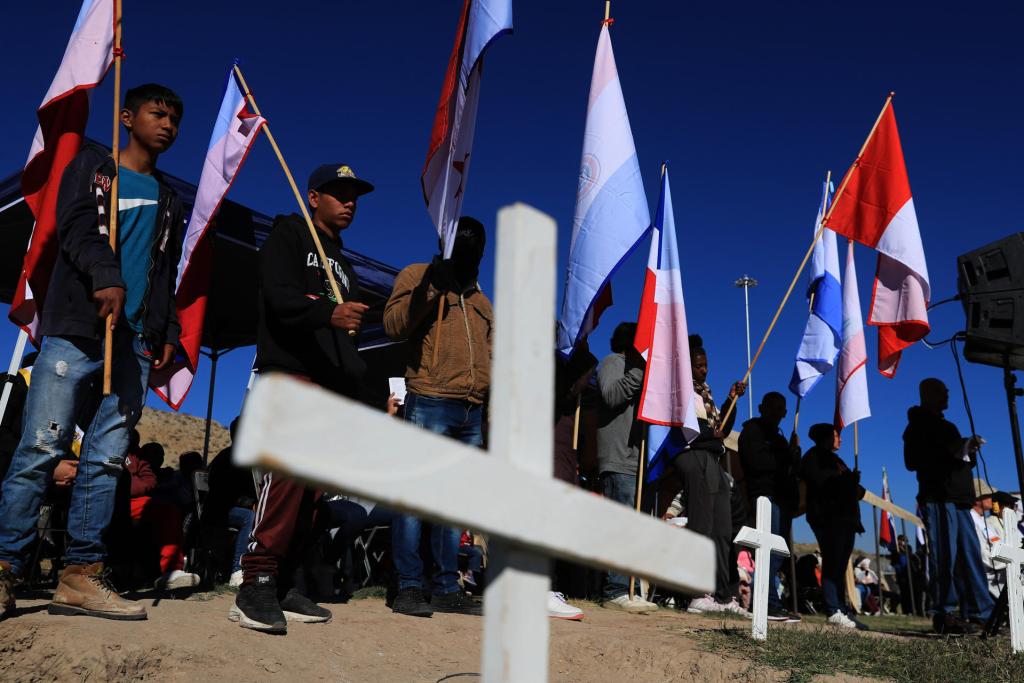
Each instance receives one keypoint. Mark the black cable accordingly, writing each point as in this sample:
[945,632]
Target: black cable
[944,301]
[967,406]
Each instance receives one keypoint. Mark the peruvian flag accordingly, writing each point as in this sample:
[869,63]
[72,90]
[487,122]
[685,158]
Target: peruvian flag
[234,132]
[886,530]
[667,400]
[451,139]
[62,118]
[875,207]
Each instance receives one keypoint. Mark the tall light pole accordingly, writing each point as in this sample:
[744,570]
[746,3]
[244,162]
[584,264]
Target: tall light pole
[746,282]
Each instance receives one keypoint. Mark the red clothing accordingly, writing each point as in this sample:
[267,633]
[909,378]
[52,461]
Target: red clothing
[165,520]
[143,476]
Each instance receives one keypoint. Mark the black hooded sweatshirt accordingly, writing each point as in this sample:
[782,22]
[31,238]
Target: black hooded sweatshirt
[295,301]
[932,447]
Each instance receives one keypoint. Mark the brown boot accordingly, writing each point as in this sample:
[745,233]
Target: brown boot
[85,589]
[6,590]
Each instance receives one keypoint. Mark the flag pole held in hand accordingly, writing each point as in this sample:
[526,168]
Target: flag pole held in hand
[115,152]
[810,250]
[324,263]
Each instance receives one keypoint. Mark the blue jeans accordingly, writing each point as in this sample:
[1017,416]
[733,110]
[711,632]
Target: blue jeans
[954,562]
[242,519]
[462,421]
[782,522]
[66,373]
[620,488]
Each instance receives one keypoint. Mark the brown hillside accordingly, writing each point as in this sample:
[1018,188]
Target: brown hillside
[180,433]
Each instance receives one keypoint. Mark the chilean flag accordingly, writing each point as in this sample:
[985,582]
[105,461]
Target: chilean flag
[875,208]
[611,214]
[667,398]
[851,375]
[886,530]
[451,139]
[234,132]
[62,118]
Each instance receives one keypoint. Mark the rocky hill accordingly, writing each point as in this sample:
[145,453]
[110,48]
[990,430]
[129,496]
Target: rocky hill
[180,433]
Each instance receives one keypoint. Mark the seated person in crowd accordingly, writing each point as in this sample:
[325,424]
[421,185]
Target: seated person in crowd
[162,517]
[230,502]
[867,585]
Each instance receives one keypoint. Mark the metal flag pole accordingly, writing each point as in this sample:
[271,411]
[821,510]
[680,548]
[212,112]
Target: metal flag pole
[746,282]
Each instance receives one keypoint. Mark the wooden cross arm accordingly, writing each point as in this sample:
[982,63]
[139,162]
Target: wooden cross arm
[311,434]
[892,508]
[1011,554]
[752,538]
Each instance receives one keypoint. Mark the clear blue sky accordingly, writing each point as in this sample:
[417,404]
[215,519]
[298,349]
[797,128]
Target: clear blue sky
[751,104]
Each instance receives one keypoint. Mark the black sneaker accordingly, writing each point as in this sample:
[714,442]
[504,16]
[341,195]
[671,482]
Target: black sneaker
[297,607]
[410,601]
[457,603]
[781,614]
[256,606]
[950,624]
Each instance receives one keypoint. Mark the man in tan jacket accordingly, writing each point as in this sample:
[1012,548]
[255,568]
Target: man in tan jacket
[449,324]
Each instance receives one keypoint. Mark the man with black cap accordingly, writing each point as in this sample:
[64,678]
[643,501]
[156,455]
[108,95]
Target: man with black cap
[304,332]
[449,324]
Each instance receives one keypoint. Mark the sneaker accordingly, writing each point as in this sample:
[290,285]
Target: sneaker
[7,583]
[734,607]
[950,624]
[256,606]
[781,614]
[456,603]
[297,607]
[85,589]
[623,603]
[703,605]
[236,579]
[410,601]
[558,608]
[177,579]
[647,604]
[841,620]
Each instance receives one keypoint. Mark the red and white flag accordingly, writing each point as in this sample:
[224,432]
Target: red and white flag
[62,118]
[234,132]
[451,139]
[875,207]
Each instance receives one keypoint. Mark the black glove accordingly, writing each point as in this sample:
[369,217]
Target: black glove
[441,275]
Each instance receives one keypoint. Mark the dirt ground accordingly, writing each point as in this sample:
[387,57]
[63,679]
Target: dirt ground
[192,640]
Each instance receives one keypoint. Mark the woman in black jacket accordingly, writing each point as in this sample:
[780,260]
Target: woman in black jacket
[833,511]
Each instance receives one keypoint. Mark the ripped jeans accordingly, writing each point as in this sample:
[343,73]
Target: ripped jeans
[66,378]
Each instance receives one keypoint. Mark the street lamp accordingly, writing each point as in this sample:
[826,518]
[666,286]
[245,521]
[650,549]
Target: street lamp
[746,282]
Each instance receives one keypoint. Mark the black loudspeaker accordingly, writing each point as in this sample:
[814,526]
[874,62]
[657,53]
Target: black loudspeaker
[991,285]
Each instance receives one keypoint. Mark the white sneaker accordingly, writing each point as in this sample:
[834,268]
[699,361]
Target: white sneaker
[648,605]
[623,603]
[558,608]
[703,605]
[178,579]
[734,607]
[236,579]
[841,620]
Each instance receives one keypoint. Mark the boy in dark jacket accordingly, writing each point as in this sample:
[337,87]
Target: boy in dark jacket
[304,332]
[833,511]
[135,285]
[770,465]
[943,460]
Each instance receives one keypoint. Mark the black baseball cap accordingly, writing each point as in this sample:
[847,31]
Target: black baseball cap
[330,173]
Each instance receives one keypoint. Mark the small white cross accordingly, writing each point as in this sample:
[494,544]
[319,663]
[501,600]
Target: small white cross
[508,493]
[1010,552]
[764,543]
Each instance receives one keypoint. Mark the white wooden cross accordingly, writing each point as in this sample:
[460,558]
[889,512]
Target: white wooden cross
[764,543]
[1009,551]
[508,493]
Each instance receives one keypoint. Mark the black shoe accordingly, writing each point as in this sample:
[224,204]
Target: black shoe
[297,607]
[456,603]
[410,601]
[256,606]
[950,624]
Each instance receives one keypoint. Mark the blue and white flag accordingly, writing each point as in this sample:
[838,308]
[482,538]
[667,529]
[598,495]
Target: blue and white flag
[611,207]
[823,335]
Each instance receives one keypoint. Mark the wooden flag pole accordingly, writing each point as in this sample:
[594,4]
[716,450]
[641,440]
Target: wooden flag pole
[607,9]
[640,474]
[324,263]
[115,152]
[810,250]
[856,448]
[576,423]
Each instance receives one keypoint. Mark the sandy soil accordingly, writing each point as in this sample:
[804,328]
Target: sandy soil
[192,640]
